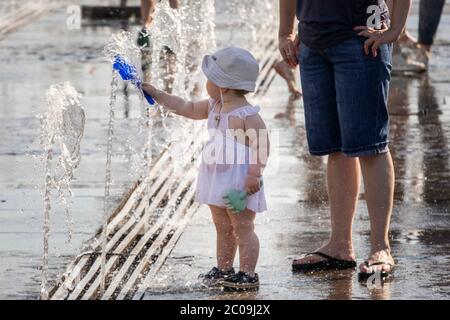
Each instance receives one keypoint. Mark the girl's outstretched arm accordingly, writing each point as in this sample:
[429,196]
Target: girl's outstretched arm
[193,110]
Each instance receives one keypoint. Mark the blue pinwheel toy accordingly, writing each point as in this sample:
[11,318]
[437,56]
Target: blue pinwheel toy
[128,72]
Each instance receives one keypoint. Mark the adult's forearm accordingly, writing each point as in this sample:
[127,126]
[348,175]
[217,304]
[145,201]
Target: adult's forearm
[287,17]
[400,12]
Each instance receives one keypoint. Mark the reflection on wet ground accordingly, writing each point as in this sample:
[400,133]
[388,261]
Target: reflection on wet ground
[420,123]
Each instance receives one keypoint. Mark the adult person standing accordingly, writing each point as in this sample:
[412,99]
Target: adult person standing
[345,66]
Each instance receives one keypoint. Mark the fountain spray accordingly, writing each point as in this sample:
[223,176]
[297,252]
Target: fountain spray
[62,129]
[125,57]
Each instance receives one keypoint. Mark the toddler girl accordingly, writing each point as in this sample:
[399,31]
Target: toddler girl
[233,158]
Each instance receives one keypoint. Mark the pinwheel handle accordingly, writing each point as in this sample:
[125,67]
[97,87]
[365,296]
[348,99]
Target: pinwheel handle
[149,98]
[128,72]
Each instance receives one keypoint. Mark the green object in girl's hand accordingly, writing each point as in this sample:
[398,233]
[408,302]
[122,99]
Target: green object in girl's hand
[235,200]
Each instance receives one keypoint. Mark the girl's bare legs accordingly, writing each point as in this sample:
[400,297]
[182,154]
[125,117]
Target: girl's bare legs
[247,240]
[343,177]
[226,245]
[378,173]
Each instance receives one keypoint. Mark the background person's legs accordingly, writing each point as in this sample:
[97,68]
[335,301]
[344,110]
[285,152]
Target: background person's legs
[147,10]
[288,74]
[378,174]
[174,4]
[415,54]
[403,62]
[429,18]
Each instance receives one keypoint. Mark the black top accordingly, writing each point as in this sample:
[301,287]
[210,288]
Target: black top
[326,23]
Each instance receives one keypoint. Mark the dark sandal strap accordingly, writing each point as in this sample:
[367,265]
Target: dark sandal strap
[329,258]
[378,263]
[329,263]
[312,253]
[323,255]
[326,257]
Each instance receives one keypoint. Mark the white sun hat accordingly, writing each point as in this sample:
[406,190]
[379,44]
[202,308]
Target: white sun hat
[232,68]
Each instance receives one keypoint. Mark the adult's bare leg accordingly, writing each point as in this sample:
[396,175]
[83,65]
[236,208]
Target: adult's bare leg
[378,175]
[343,175]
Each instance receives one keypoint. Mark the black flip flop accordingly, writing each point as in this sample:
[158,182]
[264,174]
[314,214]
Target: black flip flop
[325,265]
[363,276]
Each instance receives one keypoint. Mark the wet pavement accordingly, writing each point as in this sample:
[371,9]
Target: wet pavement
[41,54]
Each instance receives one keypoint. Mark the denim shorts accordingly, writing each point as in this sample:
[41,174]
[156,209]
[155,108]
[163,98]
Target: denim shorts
[345,95]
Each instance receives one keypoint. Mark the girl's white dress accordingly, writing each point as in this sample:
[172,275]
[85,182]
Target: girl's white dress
[225,162]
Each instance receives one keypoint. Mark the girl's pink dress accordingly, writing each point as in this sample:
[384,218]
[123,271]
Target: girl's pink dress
[225,162]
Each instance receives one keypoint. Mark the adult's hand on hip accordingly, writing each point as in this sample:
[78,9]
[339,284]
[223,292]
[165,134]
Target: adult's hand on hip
[289,46]
[376,38]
